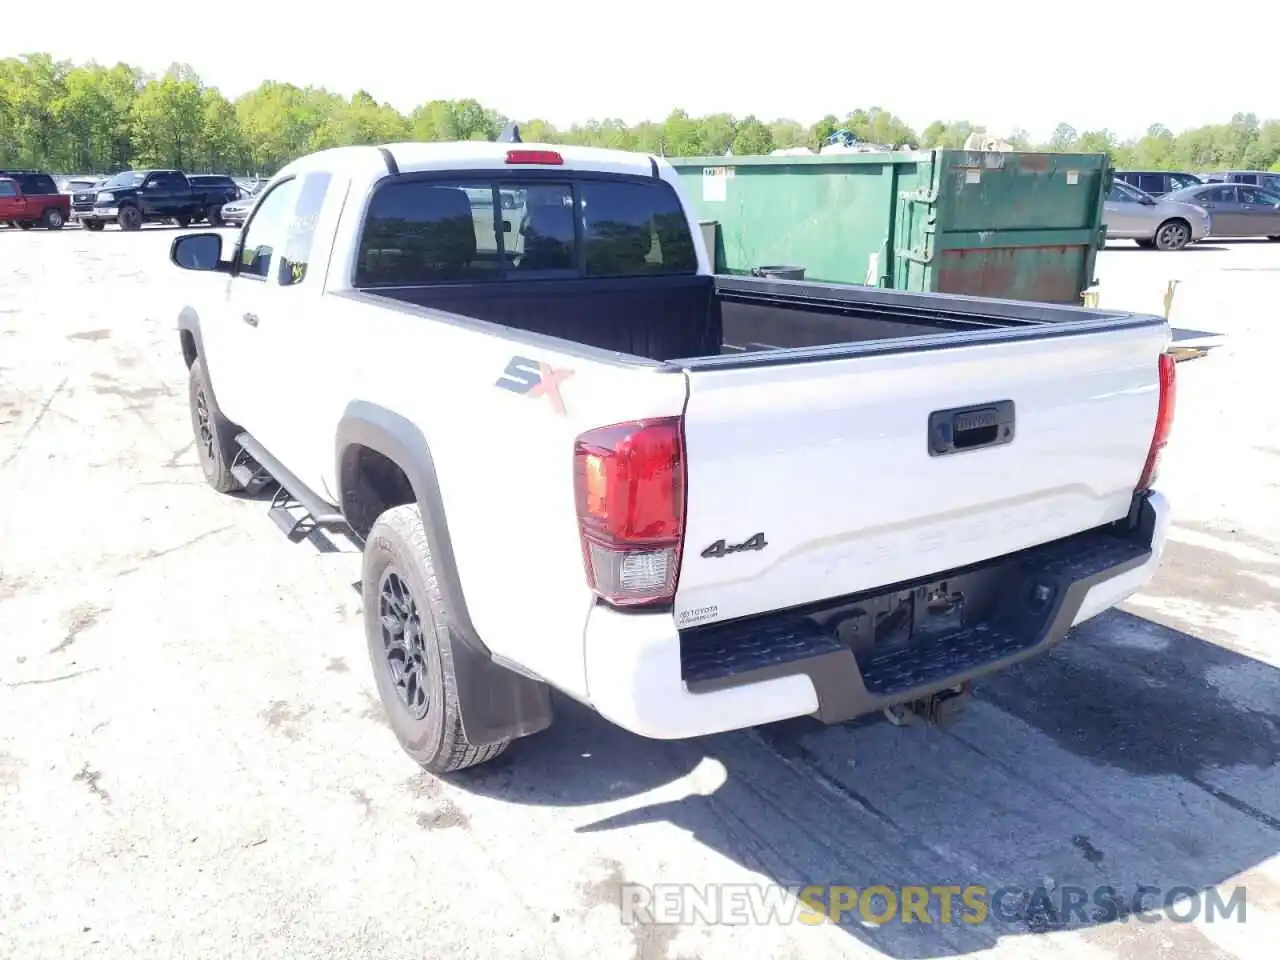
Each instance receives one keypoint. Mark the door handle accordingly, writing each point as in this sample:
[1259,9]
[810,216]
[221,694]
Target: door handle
[251,319]
[969,428]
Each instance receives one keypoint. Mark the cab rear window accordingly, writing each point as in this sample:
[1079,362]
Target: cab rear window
[468,230]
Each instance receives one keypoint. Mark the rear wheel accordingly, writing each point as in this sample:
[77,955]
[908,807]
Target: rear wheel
[1173,235]
[130,218]
[184,221]
[214,214]
[94,225]
[407,626]
[53,219]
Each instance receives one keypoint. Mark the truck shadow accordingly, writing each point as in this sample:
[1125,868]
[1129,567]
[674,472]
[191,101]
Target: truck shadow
[1133,754]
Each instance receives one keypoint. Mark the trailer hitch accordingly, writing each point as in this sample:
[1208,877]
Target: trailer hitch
[942,709]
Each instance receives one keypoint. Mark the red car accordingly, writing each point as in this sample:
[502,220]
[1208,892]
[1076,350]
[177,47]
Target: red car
[32,199]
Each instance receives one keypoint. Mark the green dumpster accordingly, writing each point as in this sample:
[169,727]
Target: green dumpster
[1024,226]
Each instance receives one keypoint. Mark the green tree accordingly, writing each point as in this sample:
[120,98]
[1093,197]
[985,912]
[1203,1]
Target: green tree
[168,118]
[753,138]
[1064,137]
[92,118]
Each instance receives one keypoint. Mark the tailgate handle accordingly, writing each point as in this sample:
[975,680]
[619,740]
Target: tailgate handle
[970,428]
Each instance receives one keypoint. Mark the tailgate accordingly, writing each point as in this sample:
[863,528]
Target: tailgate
[816,479]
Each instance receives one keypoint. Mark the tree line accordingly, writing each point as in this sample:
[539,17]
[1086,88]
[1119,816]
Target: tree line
[88,118]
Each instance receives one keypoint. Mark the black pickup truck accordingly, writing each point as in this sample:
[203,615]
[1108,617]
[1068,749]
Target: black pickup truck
[136,197]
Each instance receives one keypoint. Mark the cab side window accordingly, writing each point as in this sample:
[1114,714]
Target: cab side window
[266,232]
[302,229]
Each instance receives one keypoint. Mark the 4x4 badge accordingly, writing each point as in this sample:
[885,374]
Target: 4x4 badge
[721,549]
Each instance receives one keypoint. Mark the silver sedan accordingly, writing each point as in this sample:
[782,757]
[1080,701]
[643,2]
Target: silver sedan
[1163,223]
[235,213]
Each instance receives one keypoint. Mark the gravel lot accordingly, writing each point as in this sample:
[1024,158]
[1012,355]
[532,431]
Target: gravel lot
[193,761]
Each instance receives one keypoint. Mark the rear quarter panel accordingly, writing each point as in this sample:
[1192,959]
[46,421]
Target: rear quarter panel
[503,451]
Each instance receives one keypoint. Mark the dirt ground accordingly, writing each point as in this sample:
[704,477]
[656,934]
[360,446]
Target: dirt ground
[193,762]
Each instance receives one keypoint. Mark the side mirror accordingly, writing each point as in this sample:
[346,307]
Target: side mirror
[198,251]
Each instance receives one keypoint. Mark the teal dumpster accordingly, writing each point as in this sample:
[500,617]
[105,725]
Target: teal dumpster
[1024,226]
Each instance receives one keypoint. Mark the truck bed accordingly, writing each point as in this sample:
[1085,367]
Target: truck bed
[699,318]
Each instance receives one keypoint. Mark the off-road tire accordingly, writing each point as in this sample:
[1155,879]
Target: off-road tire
[129,218]
[53,219]
[397,546]
[216,449]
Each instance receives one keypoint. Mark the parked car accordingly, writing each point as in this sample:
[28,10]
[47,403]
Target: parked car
[29,199]
[1165,223]
[74,185]
[83,196]
[1267,179]
[1237,210]
[136,197]
[713,495]
[236,212]
[1157,183]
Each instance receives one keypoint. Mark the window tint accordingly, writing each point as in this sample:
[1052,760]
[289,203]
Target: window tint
[302,229]
[1218,195]
[1182,180]
[266,231]
[41,183]
[544,243]
[429,232]
[440,232]
[631,228]
[1244,178]
[8,188]
[1151,182]
[1121,192]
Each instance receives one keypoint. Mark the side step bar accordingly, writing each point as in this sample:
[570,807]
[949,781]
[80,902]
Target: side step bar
[292,494]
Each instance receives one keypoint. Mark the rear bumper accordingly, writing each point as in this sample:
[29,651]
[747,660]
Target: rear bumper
[653,680]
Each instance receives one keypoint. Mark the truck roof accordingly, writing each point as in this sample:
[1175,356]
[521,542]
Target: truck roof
[470,155]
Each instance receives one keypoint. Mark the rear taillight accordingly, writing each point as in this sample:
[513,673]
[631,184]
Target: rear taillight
[1164,421]
[630,488]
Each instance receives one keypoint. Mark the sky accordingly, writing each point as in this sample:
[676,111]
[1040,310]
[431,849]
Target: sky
[998,62]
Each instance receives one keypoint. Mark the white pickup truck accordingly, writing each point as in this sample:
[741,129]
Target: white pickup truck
[577,459]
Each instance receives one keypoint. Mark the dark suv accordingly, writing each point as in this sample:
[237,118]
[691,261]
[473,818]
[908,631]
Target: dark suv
[1157,182]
